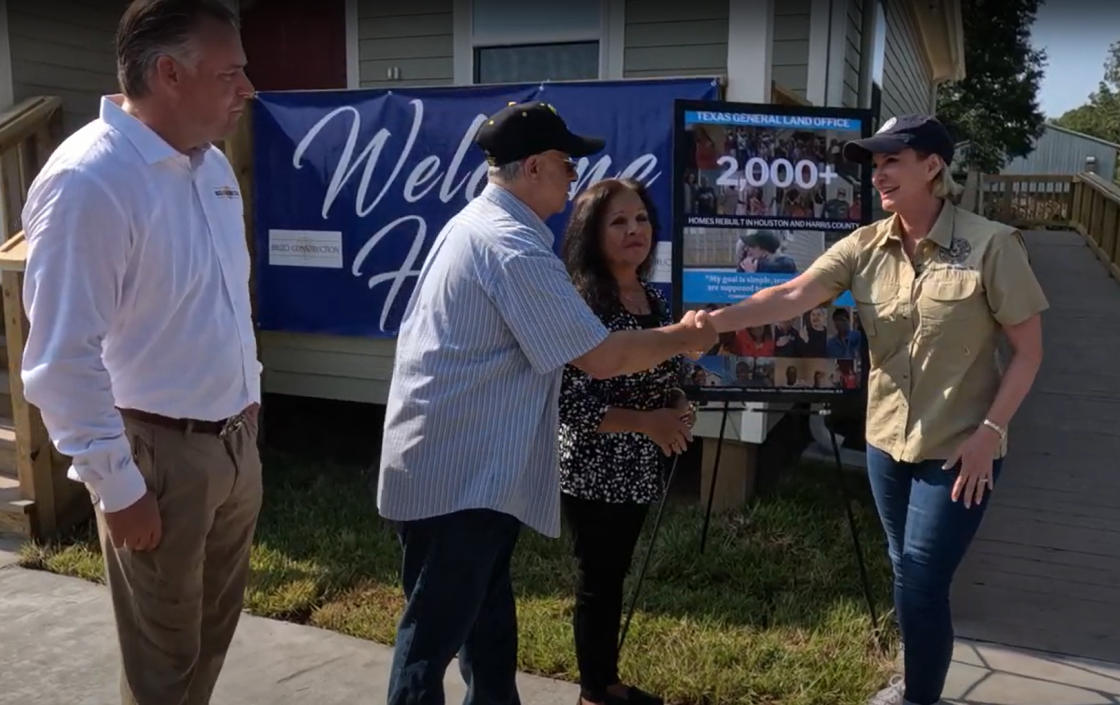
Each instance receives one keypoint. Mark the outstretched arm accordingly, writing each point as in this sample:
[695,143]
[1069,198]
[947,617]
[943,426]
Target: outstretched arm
[828,277]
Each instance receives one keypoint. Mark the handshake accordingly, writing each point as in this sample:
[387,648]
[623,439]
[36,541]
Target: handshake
[698,333]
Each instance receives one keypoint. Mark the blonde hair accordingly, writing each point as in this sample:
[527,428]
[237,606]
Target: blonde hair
[944,186]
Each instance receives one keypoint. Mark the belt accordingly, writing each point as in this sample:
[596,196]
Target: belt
[218,428]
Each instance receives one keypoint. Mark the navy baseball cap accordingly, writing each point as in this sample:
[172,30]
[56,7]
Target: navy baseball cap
[924,133]
[520,130]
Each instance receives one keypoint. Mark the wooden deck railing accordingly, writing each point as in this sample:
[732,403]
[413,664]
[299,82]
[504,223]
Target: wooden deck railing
[1034,201]
[1084,202]
[1096,215]
[36,499]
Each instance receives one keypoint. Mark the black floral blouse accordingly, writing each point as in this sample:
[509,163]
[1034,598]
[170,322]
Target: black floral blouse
[615,467]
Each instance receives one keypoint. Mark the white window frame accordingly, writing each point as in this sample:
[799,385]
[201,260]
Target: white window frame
[353,60]
[611,38]
[867,55]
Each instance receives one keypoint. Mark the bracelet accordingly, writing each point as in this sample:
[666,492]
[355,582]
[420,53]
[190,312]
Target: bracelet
[996,427]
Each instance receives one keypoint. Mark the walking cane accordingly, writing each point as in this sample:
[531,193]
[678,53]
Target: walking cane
[676,396]
[649,552]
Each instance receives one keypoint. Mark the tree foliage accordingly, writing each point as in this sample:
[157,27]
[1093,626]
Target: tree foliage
[1100,117]
[996,106]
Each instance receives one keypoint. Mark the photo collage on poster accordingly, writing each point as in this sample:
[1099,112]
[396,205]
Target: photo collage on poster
[762,196]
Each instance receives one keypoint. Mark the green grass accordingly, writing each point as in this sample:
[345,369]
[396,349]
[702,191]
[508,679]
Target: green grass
[771,613]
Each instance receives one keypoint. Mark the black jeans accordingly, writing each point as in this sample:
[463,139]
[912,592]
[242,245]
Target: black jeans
[456,580]
[604,536]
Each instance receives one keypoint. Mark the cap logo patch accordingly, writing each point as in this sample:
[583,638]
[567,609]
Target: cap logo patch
[887,125]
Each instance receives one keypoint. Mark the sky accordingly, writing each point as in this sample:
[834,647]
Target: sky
[1076,35]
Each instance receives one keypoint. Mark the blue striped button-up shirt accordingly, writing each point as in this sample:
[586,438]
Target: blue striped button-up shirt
[472,416]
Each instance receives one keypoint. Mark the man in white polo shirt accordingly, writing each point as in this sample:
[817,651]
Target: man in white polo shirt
[141,353]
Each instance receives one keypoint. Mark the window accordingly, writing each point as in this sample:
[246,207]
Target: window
[570,61]
[514,41]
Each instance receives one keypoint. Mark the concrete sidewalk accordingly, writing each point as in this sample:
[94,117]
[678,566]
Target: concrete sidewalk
[57,647]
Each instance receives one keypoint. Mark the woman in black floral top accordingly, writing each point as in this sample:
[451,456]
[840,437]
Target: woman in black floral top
[614,433]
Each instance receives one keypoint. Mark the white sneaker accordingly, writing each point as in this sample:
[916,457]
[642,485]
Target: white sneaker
[892,694]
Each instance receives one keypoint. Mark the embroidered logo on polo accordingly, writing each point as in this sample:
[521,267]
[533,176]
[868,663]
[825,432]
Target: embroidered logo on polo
[956,253]
[227,192]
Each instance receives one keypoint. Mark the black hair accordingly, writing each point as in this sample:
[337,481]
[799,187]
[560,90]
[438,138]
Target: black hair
[152,28]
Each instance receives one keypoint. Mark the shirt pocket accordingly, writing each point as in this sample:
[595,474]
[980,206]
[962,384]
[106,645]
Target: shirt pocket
[949,298]
[876,304]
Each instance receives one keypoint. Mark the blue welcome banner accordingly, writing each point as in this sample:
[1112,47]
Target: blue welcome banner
[352,187]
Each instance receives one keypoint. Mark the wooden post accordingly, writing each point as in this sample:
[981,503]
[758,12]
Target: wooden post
[33,457]
[239,151]
[735,479]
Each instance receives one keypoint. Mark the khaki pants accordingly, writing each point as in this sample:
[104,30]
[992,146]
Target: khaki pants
[177,607]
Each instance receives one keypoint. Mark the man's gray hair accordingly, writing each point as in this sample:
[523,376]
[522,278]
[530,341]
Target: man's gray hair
[504,173]
[150,29]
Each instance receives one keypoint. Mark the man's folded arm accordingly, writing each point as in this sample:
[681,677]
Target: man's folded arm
[78,238]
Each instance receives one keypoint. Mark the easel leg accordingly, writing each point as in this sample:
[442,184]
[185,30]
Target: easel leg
[864,578]
[649,552]
[715,474]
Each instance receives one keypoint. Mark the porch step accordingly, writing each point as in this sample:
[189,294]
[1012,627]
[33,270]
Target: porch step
[15,512]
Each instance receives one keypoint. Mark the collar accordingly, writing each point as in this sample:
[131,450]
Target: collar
[504,199]
[940,234]
[152,148]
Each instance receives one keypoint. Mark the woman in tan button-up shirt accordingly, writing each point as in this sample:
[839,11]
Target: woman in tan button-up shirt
[935,287]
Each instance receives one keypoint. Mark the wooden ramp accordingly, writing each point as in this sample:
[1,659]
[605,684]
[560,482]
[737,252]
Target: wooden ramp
[1044,573]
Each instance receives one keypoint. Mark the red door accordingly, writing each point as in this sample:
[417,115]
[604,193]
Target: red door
[294,44]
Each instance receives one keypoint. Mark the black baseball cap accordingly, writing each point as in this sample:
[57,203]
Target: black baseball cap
[521,130]
[924,133]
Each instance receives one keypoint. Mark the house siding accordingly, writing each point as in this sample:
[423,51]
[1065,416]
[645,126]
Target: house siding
[790,60]
[853,53]
[64,48]
[415,37]
[907,75]
[675,39]
[1061,151]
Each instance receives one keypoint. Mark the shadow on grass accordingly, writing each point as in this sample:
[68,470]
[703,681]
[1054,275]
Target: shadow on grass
[786,560]
[773,607]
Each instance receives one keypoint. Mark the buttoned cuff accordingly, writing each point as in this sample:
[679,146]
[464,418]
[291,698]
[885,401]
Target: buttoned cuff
[121,488]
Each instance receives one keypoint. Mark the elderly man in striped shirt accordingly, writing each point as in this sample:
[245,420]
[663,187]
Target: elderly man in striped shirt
[469,451]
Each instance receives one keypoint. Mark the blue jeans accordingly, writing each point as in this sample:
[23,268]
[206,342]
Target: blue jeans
[928,535]
[456,578]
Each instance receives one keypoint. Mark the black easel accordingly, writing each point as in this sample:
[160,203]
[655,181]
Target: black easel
[649,551]
[823,411]
[864,578]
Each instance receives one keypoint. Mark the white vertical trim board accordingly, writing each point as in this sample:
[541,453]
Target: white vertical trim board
[462,24]
[7,90]
[353,60]
[612,46]
[820,24]
[837,49]
[750,50]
